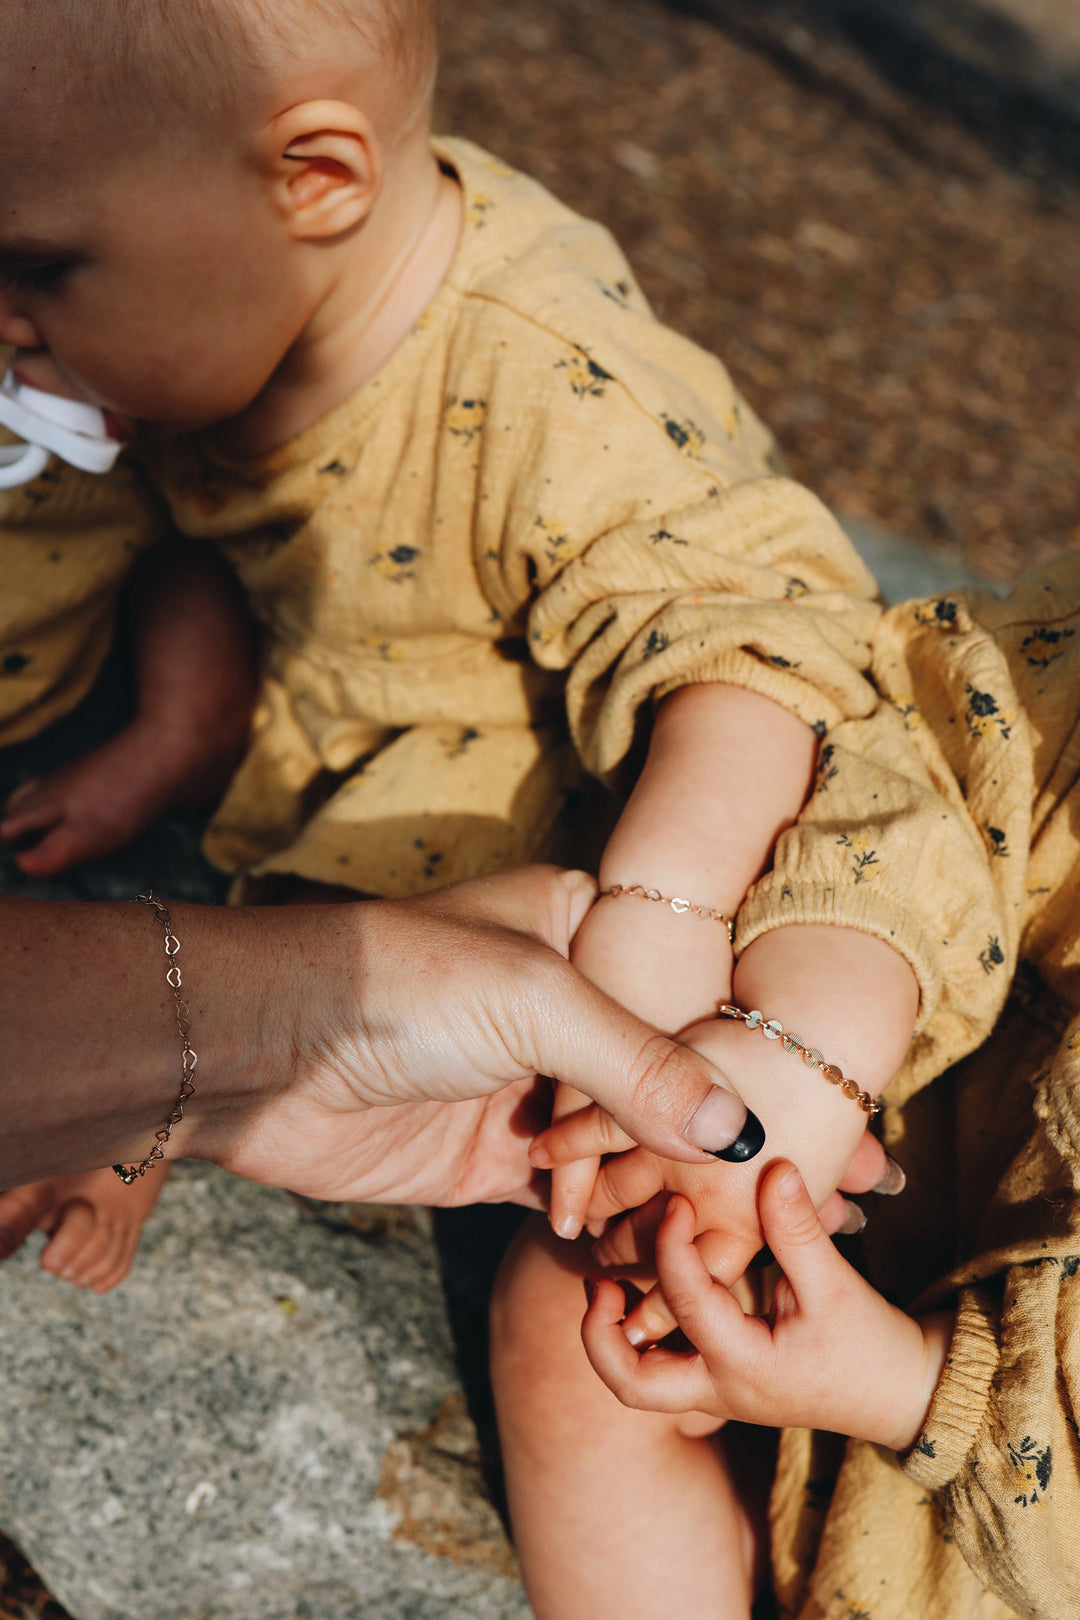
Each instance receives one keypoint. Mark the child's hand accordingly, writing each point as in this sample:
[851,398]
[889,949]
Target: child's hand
[805,1120]
[833,1353]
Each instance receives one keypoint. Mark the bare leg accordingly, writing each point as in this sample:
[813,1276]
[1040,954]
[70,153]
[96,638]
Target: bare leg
[93,1220]
[194,663]
[615,1512]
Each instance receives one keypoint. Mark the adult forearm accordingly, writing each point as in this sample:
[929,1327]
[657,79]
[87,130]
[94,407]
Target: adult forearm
[91,1057]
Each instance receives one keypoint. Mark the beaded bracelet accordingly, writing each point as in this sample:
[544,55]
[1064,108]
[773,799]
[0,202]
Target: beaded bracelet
[638,891]
[774,1031]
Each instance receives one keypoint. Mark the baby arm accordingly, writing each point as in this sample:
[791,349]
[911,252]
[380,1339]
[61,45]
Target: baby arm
[847,994]
[727,770]
[195,677]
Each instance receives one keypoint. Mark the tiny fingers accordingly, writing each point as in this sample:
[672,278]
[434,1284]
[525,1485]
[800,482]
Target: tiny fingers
[571,1187]
[659,1381]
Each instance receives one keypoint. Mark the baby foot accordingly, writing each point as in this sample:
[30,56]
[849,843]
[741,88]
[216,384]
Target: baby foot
[97,804]
[93,1220]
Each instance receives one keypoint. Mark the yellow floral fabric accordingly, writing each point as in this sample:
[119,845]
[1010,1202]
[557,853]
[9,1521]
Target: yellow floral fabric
[542,512]
[948,823]
[67,543]
[545,511]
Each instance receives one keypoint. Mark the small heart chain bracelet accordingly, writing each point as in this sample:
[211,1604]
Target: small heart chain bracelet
[774,1031]
[188,1056]
[638,891]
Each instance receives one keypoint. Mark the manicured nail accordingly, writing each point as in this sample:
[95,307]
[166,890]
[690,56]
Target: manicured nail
[717,1123]
[567,1227]
[791,1186]
[854,1221]
[745,1146]
[636,1335]
[894,1180]
[539,1157]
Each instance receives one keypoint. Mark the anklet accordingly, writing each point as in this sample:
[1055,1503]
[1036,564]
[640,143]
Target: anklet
[637,891]
[773,1031]
[189,1057]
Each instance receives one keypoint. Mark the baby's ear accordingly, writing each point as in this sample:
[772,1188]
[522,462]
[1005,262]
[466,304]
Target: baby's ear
[326,166]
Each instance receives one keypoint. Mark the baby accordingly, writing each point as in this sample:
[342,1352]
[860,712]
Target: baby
[943,827]
[501,530]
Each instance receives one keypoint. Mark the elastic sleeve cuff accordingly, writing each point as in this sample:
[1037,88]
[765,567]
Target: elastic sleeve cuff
[958,1409]
[777,902]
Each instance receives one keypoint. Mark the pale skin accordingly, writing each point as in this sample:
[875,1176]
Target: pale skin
[330,229]
[727,771]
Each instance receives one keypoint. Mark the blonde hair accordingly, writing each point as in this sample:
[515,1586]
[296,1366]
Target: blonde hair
[199,64]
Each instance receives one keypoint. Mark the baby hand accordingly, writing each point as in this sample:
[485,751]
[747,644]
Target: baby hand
[833,1354]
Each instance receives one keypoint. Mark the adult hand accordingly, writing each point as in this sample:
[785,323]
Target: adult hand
[461,997]
[350,1051]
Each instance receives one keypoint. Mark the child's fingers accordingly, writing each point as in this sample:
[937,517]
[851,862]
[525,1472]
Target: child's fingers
[659,1381]
[799,1242]
[631,1242]
[21,1210]
[724,1258]
[587,1133]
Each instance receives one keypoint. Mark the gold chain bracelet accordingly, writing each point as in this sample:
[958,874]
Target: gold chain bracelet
[774,1031]
[189,1057]
[637,891]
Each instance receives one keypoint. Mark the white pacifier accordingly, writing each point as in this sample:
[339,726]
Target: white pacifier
[50,426]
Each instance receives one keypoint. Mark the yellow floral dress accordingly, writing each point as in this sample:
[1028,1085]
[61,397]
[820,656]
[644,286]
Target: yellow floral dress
[474,576]
[948,823]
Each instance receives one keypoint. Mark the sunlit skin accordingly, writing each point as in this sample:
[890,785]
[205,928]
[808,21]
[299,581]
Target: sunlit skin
[248,289]
[242,288]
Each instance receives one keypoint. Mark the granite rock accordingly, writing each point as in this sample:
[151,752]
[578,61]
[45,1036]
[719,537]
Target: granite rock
[263,1423]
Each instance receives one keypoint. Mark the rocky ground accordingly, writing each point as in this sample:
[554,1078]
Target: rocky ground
[890,276]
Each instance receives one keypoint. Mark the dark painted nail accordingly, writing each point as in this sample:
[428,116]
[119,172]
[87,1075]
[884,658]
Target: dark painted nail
[745,1146]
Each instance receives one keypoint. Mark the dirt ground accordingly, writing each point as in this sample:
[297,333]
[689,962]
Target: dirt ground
[898,303]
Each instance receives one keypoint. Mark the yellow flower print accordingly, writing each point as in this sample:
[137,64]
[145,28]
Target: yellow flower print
[940,613]
[984,716]
[585,377]
[908,710]
[560,548]
[863,858]
[1032,1468]
[464,417]
[686,434]
[480,206]
[396,565]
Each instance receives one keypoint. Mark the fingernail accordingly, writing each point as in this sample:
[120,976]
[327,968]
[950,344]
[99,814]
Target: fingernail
[854,1221]
[636,1335]
[791,1186]
[567,1227]
[745,1146]
[894,1180]
[718,1121]
[539,1157]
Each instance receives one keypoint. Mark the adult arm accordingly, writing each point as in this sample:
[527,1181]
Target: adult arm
[331,1041]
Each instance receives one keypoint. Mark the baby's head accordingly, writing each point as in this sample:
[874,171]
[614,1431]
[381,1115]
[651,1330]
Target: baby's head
[178,179]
